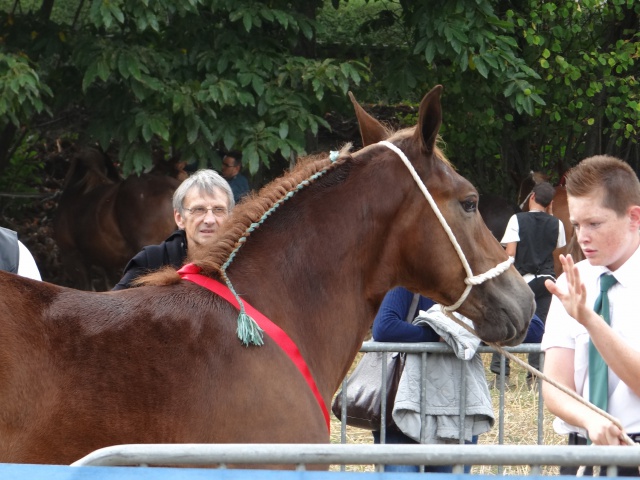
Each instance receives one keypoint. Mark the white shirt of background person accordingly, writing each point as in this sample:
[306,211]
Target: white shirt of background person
[27,265]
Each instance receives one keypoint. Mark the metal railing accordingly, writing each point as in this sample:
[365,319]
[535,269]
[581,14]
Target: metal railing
[424,349]
[299,456]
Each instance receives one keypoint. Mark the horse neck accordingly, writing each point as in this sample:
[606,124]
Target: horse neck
[317,271]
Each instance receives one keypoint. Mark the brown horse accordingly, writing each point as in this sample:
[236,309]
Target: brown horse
[102,221]
[162,363]
[496,212]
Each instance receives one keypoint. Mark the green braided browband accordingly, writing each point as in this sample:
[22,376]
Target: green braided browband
[248,330]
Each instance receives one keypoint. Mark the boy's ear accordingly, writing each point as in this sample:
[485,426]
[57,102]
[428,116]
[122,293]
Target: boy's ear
[634,216]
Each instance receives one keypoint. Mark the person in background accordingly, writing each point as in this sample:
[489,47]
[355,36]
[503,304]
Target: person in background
[15,257]
[390,325]
[231,166]
[531,237]
[201,204]
[604,203]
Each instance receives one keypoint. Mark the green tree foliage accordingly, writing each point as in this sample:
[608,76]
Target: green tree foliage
[529,84]
[188,75]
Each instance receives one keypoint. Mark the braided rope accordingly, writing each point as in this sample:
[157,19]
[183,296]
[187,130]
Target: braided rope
[248,331]
[545,378]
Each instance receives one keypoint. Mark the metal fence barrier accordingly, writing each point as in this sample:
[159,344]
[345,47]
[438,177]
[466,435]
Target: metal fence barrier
[301,455]
[425,349]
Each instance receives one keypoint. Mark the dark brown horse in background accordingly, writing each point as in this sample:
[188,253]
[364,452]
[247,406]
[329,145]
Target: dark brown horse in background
[103,221]
[496,212]
[163,364]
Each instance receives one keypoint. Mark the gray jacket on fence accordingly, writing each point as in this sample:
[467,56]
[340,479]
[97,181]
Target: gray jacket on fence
[443,381]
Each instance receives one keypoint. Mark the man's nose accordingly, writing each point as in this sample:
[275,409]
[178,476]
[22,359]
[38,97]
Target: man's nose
[209,217]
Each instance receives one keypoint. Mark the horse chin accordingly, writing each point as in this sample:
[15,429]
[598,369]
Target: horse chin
[507,336]
[517,340]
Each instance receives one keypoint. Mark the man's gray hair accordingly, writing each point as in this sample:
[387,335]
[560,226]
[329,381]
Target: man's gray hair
[206,181]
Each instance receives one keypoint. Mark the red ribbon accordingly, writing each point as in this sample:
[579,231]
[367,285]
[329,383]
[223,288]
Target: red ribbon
[192,273]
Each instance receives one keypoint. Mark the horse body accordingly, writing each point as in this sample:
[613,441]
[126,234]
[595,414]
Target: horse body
[103,222]
[70,385]
[162,363]
[496,212]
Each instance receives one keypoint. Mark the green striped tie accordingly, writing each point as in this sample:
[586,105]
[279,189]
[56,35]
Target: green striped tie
[598,370]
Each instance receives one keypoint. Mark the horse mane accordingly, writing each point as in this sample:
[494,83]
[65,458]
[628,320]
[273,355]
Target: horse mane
[248,215]
[253,210]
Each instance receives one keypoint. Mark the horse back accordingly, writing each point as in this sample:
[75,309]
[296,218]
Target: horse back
[82,370]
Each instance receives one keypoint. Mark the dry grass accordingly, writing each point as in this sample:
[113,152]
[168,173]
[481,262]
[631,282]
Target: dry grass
[520,424]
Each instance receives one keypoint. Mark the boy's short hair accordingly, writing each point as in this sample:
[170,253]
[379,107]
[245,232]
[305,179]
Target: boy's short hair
[616,177]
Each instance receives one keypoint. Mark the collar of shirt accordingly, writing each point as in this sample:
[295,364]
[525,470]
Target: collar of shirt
[627,274]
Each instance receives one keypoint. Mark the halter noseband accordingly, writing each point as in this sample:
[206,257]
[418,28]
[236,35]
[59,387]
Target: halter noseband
[471,279]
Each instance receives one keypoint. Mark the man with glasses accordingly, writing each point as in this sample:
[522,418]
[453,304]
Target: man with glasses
[231,166]
[200,205]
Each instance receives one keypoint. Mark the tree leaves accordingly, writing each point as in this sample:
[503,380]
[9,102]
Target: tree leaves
[196,76]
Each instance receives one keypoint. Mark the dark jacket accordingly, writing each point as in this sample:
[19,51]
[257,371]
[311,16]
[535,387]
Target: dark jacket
[390,323]
[173,251]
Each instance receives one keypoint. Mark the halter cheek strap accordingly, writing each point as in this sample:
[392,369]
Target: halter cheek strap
[192,273]
[471,280]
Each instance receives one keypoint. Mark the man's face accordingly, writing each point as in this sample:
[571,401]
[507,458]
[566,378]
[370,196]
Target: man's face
[605,238]
[201,227]
[229,168]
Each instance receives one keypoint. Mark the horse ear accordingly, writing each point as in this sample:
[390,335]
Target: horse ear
[371,130]
[430,119]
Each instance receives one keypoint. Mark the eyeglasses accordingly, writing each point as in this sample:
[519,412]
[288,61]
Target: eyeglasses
[202,211]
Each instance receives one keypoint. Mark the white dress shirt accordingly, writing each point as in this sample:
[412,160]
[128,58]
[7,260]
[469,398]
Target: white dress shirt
[563,331]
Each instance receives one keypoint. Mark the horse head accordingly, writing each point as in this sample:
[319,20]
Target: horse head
[88,169]
[525,186]
[500,307]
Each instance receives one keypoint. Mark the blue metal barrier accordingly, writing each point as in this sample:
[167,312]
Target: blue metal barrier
[60,472]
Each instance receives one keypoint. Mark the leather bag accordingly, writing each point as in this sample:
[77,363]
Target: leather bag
[364,386]
[364,390]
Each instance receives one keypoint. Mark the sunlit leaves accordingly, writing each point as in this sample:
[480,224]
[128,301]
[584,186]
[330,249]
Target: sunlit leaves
[22,93]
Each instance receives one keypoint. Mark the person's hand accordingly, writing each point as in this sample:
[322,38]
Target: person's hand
[603,431]
[574,299]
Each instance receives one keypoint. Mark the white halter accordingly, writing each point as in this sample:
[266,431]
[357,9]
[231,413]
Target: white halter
[471,280]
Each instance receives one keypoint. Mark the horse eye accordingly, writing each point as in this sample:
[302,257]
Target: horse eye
[469,205]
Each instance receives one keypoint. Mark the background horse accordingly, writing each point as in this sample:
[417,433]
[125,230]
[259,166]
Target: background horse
[496,212]
[103,221]
[315,251]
